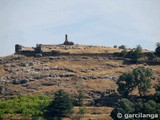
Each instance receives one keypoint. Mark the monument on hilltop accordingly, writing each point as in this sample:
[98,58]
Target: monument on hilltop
[66,42]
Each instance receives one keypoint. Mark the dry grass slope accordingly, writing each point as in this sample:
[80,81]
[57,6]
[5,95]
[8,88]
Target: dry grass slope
[94,74]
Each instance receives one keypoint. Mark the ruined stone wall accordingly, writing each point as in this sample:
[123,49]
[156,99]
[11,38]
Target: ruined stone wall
[50,50]
[18,48]
[44,50]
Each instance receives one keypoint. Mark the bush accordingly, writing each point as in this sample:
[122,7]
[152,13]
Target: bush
[24,105]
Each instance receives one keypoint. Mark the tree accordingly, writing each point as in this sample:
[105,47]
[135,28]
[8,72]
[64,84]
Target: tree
[136,53]
[157,50]
[122,47]
[143,106]
[82,108]
[150,107]
[61,106]
[142,79]
[157,94]
[115,46]
[124,106]
[126,83]
[139,77]
[80,98]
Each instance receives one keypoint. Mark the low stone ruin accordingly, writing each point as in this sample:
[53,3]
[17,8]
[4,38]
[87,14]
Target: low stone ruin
[41,50]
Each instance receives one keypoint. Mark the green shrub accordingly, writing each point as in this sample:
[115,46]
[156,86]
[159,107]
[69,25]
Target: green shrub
[24,105]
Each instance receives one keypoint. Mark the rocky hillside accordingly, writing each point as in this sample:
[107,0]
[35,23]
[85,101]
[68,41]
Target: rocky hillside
[92,69]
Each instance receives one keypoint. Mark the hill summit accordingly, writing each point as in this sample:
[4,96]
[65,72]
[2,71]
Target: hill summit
[92,68]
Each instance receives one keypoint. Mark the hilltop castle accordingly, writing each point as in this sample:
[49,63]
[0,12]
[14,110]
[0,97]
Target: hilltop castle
[40,49]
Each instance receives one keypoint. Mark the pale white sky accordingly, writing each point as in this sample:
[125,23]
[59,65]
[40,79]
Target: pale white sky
[89,22]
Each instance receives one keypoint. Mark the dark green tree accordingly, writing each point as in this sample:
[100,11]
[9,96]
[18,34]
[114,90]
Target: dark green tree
[142,79]
[80,98]
[150,107]
[126,83]
[143,106]
[139,77]
[115,46]
[82,108]
[157,94]
[136,53]
[122,47]
[157,50]
[61,106]
[124,106]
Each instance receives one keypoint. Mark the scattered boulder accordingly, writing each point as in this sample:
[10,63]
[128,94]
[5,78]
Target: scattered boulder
[30,63]
[7,65]
[23,64]
[54,58]
[100,94]
[99,77]
[38,55]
